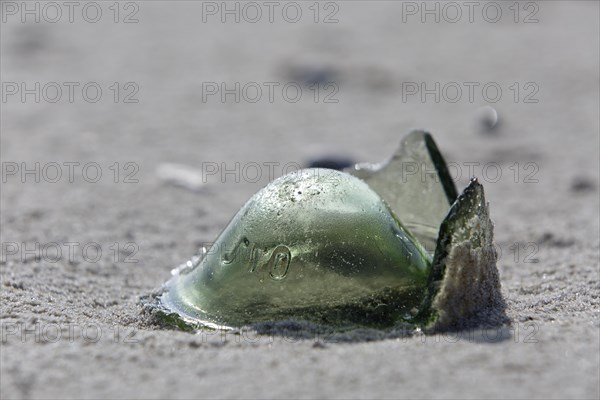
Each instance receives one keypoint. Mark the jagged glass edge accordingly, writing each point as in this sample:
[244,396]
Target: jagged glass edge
[373,173]
[458,216]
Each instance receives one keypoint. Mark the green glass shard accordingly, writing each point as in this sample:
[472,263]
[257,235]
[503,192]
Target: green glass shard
[317,245]
[329,247]
[464,280]
[416,184]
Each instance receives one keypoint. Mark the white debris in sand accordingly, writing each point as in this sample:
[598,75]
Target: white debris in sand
[181,175]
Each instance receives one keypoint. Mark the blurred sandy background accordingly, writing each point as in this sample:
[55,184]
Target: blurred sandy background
[545,200]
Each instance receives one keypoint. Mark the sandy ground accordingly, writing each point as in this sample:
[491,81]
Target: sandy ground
[72,325]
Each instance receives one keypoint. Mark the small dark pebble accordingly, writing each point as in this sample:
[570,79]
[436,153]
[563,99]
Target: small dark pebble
[582,185]
[16,285]
[549,239]
[35,214]
[309,76]
[338,163]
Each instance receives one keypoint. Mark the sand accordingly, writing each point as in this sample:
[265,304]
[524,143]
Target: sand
[72,322]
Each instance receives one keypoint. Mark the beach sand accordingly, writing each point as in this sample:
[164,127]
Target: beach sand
[72,322]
